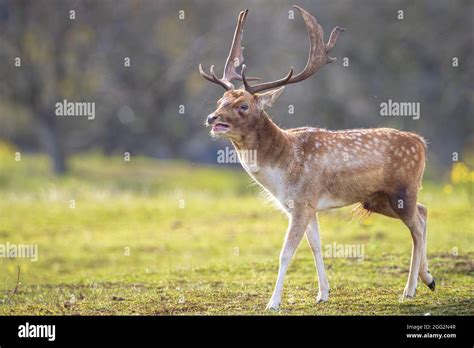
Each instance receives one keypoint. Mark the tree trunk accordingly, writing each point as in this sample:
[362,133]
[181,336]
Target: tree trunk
[49,137]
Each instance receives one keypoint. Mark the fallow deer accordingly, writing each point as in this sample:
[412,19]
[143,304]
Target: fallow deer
[308,170]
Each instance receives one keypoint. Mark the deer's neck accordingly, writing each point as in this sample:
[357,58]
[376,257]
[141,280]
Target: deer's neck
[268,141]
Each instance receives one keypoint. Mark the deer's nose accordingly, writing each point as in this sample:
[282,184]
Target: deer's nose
[211,118]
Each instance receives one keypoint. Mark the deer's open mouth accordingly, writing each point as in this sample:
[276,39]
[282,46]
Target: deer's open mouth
[220,128]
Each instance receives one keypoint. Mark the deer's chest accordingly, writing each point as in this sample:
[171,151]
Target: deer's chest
[272,180]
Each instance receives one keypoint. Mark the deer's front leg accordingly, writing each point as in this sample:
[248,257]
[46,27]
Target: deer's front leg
[299,220]
[312,235]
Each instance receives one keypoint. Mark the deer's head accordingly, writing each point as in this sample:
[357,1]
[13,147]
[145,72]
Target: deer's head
[240,109]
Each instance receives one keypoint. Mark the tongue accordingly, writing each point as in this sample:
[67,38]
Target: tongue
[220,127]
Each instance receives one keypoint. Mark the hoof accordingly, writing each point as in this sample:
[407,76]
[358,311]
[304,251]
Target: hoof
[323,296]
[432,285]
[273,306]
[407,296]
[272,309]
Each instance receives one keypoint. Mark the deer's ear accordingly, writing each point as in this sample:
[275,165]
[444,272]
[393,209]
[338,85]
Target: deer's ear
[268,98]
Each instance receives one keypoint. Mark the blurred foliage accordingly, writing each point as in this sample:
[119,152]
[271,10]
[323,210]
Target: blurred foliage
[461,174]
[137,107]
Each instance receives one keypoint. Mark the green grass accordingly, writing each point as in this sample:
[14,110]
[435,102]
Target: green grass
[216,255]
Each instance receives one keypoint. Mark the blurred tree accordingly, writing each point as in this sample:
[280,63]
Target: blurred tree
[44,65]
[156,106]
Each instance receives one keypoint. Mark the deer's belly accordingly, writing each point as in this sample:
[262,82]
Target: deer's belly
[326,202]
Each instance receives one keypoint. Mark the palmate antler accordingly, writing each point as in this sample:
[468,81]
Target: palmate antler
[318,56]
[234,59]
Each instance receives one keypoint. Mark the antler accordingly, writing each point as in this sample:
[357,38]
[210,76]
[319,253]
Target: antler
[234,59]
[318,55]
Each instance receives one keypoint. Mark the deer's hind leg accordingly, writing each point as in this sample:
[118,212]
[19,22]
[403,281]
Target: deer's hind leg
[403,203]
[414,215]
[425,275]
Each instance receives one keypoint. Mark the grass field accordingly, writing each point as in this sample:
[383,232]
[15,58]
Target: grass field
[151,238]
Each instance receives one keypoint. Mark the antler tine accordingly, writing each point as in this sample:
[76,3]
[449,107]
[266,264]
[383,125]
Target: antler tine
[244,80]
[223,82]
[205,75]
[332,41]
[317,53]
[213,77]
[268,85]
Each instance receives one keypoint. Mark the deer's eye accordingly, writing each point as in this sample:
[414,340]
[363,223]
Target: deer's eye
[244,107]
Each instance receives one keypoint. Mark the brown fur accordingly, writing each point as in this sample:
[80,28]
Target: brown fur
[369,166]
[317,169]
[307,170]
